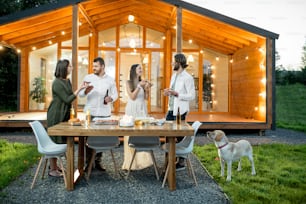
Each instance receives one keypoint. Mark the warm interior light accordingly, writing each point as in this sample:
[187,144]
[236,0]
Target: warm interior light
[131,18]
[85,61]
[132,43]
[90,34]
[79,59]
[164,38]
[33,48]
[118,49]
[217,58]
[231,60]
[261,50]
[145,60]
[1,47]
[190,41]
[262,67]
[246,57]
[63,32]
[190,58]
[263,94]
[18,51]
[50,42]
[263,80]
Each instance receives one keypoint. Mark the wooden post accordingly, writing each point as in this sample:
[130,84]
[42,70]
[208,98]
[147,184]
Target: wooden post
[179,36]
[75,38]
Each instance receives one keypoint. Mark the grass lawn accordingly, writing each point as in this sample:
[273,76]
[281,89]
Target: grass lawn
[15,158]
[291,107]
[280,174]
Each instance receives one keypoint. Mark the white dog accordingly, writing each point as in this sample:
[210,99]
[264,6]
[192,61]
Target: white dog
[229,151]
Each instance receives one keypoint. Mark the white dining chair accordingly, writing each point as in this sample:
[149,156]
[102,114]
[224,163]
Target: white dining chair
[183,149]
[101,144]
[144,143]
[47,148]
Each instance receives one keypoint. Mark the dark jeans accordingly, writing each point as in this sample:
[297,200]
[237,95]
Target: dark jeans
[171,117]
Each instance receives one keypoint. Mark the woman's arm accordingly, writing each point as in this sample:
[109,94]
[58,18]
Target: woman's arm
[132,95]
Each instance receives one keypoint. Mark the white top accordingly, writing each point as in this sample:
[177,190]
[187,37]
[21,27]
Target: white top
[137,107]
[186,91]
[95,98]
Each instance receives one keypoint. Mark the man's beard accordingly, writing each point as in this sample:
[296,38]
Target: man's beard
[97,72]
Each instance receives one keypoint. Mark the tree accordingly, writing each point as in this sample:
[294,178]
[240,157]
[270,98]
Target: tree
[8,79]
[8,7]
[304,56]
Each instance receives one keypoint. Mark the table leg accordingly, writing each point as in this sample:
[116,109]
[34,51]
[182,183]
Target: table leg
[171,163]
[70,163]
[81,156]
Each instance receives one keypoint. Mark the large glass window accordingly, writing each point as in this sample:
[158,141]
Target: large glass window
[107,38]
[82,68]
[193,69]
[215,82]
[42,63]
[154,39]
[131,36]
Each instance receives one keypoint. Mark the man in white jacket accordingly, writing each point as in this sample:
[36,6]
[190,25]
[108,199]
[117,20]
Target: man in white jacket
[181,91]
[100,93]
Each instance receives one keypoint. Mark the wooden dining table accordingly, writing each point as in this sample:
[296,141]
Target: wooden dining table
[169,129]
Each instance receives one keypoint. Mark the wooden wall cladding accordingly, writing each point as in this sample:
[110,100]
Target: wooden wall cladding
[247,87]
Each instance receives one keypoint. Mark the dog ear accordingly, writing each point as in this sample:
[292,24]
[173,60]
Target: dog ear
[219,135]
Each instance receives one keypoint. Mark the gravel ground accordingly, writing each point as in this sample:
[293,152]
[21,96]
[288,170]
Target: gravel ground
[140,187]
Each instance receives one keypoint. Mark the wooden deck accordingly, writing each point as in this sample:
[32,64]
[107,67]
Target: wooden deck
[210,121]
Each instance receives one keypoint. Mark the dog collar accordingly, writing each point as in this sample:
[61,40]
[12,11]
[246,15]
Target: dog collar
[222,146]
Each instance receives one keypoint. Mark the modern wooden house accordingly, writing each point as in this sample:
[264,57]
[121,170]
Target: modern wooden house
[232,62]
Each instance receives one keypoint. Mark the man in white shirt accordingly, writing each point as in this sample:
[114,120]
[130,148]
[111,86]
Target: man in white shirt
[101,92]
[181,91]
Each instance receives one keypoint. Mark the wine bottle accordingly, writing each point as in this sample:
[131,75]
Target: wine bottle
[178,116]
[72,113]
[105,97]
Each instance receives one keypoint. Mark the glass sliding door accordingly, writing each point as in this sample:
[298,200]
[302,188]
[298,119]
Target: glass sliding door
[152,71]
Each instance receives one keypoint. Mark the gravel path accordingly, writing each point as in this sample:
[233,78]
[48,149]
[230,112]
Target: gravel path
[141,187]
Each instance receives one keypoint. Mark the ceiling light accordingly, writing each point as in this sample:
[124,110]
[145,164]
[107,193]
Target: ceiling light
[131,18]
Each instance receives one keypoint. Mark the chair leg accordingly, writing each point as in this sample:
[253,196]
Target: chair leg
[133,157]
[114,161]
[166,175]
[90,164]
[63,170]
[37,171]
[44,169]
[155,165]
[192,171]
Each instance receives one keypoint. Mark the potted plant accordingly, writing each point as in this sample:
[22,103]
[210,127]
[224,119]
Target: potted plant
[39,92]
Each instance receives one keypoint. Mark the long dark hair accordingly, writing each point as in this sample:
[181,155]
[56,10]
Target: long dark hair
[61,69]
[133,81]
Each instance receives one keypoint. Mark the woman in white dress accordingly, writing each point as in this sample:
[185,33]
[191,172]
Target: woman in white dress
[138,91]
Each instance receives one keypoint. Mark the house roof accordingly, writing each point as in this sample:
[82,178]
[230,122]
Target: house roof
[35,27]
